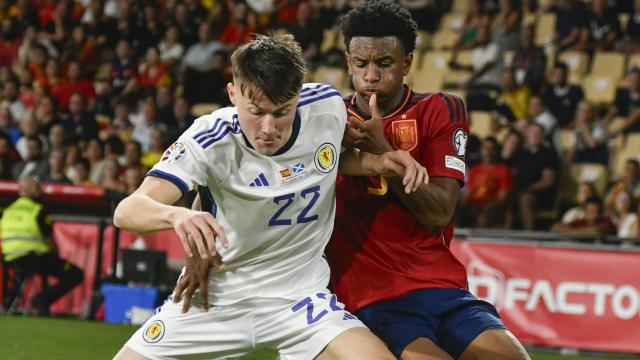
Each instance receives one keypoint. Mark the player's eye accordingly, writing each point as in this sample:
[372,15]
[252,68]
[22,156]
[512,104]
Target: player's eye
[255,111]
[361,64]
[384,64]
[281,113]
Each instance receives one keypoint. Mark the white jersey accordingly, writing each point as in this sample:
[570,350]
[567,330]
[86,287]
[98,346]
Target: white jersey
[277,211]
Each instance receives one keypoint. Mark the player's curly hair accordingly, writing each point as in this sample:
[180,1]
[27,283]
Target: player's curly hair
[270,65]
[380,18]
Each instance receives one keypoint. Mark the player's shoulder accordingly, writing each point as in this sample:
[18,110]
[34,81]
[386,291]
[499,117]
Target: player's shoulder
[318,95]
[451,105]
[217,127]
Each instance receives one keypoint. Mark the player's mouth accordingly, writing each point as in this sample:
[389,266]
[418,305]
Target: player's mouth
[267,142]
[369,92]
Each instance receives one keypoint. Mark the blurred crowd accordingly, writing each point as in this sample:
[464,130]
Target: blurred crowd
[93,92]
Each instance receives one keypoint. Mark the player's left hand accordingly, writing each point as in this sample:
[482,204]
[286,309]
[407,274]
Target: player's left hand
[369,135]
[196,276]
[401,163]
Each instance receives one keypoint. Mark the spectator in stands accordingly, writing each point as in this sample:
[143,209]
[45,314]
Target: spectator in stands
[484,203]
[46,113]
[571,30]
[80,125]
[75,84]
[515,96]
[124,71]
[183,118]
[103,103]
[164,106]
[590,144]
[584,191]
[29,127]
[143,125]
[52,80]
[8,125]
[242,24]
[121,125]
[627,221]
[27,246]
[603,26]
[171,50]
[153,73]
[632,38]
[158,146]
[111,180]
[529,63]
[8,157]
[627,104]
[34,165]
[629,184]
[132,156]
[81,171]
[561,97]
[197,61]
[81,48]
[11,99]
[57,137]
[56,168]
[474,19]
[95,155]
[426,13]
[506,26]
[536,168]
[539,114]
[133,178]
[593,223]
[308,33]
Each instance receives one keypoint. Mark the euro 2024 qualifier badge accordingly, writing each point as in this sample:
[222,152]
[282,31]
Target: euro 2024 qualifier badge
[174,152]
[325,158]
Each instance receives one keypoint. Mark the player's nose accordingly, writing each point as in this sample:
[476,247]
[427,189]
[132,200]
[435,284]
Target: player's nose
[268,124]
[371,73]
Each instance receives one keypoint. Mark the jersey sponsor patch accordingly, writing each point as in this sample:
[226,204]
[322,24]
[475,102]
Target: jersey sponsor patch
[460,142]
[154,332]
[453,162]
[174,152]
[405,134]
[325,158]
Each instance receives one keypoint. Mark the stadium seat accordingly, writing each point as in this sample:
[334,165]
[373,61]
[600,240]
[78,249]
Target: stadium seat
[337,77]
[632,143]
[593,173]
[480,123]
[204,108]
[633,61]
[437,61]
[452,22]
[599,89]
[461,6]
[545,29]
[567,138]
[621,159]
[609,64]
[424,80]
[616,123]
[422,41]
[444,40]
[577,61]
[418,56]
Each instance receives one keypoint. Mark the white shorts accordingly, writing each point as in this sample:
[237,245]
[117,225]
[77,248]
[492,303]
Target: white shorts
[295,329]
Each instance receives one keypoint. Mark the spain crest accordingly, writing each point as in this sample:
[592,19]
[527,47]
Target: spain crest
[405,134]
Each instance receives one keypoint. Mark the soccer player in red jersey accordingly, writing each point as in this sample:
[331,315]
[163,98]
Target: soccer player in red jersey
[389,254]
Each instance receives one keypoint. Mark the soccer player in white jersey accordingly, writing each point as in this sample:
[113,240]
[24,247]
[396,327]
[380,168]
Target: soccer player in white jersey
[268,167]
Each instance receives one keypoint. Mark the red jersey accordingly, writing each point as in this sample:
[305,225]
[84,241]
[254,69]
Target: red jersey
[378,249]
[486,181]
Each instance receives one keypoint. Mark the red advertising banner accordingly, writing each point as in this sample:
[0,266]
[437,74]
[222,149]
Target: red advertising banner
[564,297]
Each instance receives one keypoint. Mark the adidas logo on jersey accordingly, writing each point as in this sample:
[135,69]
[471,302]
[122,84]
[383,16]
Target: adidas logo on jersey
[261,180]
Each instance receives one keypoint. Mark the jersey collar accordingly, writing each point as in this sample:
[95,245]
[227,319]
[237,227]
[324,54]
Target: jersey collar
[353,107]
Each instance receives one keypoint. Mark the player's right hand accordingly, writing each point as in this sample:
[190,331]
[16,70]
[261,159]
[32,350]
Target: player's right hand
[401,163]
[195,276]
[199,229]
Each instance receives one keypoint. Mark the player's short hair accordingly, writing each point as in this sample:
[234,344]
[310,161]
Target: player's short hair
[380,18]
[270,65]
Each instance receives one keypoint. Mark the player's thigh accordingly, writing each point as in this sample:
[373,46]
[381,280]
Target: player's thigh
[498,344]
[424,349]
[127,353]
[356,343]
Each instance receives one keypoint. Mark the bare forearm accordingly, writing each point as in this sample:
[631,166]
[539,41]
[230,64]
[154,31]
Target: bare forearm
[140,213]
[431,204]
[356,163]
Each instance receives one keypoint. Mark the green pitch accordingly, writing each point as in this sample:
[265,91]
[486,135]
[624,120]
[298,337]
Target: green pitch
[26,338]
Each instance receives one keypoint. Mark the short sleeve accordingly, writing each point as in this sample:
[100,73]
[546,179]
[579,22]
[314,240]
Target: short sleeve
[444,136]
[184,163]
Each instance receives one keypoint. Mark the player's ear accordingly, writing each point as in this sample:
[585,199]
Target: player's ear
[232,93]
[408,60]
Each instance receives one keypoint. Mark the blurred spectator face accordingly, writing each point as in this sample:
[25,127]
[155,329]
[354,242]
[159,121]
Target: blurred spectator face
[72,156]
[163,96]
[45,107]
[123,50]
[152,57]
[623,203]
[181,108]
[303,12]
[592,212]
[584,192]
[56,161]
[73,71]
[483,35]
[559,77]
[150,113]
[94,150]
[488,151]
[5,146]
[122,111]
[6,119]
[133,178]
[76,104]
[111,169]
[219,61]
[204,32]
[535,135]
[240,12]
[584,113]
[535,106]
[181,14]
[634,80]
[56,136]
[10,91]
[508,81]
[527,36]
[157,139]
[81,173]
[631,172]
[132,153]
[636,5]
[103,88]
[78,35]
[39,56]
[598,7]
[34,150]
[29,126]
[52,68]
[172,35]
[30,34]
